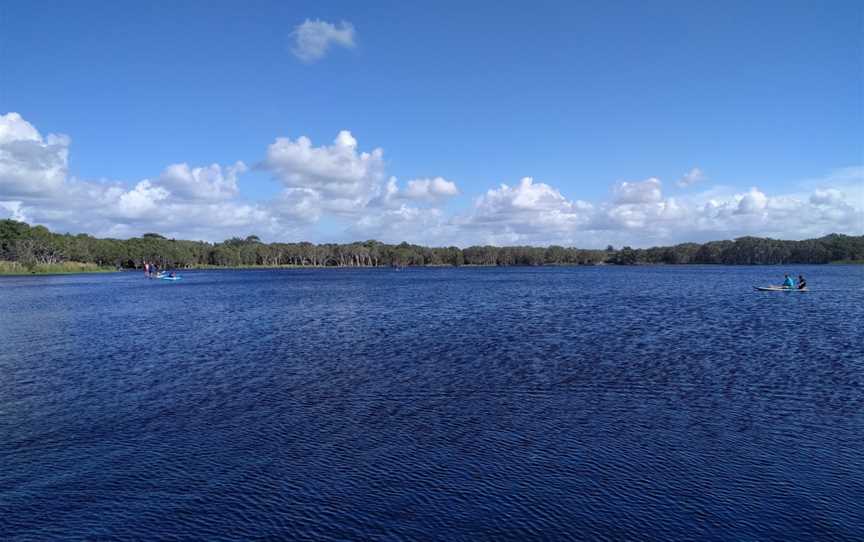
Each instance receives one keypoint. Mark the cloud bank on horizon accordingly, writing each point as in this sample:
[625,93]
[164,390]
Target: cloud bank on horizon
[341,182]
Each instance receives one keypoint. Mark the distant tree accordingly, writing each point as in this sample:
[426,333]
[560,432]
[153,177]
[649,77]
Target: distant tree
[626,256]
[37,245]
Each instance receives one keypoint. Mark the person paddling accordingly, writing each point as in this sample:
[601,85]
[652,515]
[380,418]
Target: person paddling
[802,282]
[788,282]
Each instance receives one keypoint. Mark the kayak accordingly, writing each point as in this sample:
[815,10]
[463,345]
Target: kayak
[166,277]
[779,289]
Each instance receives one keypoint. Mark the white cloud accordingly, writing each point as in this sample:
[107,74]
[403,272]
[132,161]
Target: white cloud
[526,196]
[637,206]
[787,216]
[206,202]
[341,182]
[829,197]
[210,183]
[528,212]
[12,210]
[345,182]
[426,225]
[692,177]
[300,205]
[200,202]
[345,179]
[431,189]
[141,200]
[752,202]
[30,164]
[651,217]
[15,128]
[647,191]
[112,209]
[638,215]
[313,39]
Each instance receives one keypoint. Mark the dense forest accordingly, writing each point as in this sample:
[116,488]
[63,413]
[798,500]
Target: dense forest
[33,246]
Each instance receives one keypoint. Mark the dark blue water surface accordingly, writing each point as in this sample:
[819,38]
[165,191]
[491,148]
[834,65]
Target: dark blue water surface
[663,403]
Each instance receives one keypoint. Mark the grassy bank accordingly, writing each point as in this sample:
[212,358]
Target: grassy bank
[848,262]
[17,268]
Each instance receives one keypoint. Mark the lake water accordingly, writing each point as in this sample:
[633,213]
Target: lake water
[662,403]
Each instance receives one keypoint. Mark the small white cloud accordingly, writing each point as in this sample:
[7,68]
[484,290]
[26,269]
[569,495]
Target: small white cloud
[647,191]
[312,39]
[431,189]
[692,177]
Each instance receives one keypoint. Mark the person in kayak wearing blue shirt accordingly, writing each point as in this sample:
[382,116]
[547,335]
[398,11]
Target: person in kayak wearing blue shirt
[788,282]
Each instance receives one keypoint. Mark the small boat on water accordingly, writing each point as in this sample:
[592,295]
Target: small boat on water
[779,289]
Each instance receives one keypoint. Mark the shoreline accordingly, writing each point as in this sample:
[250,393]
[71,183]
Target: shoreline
[442,266]
[14,269]
[17,269]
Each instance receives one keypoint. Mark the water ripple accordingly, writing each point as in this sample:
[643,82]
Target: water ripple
[452,404]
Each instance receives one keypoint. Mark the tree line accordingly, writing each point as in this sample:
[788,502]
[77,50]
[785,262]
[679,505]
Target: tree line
[36,245]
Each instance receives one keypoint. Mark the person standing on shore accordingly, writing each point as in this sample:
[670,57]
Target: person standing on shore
[146,269]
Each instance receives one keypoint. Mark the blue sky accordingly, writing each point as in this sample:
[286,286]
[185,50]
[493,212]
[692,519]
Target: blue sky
[591,100]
